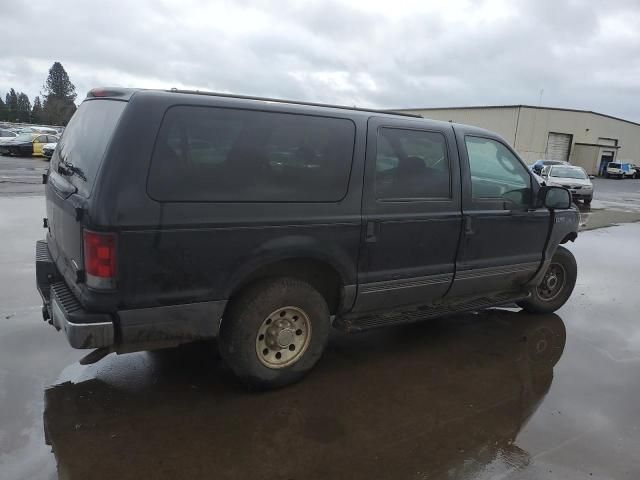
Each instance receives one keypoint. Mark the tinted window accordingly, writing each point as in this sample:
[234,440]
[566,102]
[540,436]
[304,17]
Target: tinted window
[217,154]
[411,164]
[496,172]
[614,165]
[85,141]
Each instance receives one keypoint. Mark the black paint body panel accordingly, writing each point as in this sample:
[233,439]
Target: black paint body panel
[387,255]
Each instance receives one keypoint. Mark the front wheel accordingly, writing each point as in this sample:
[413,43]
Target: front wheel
[274,332]
[587,201]
[556,286]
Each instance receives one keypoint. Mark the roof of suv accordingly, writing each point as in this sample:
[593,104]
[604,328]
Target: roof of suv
[127,93]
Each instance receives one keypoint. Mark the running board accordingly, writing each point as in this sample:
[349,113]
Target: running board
[359,322]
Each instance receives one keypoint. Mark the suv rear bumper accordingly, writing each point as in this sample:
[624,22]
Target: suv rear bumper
[124,330]
[64,311]
[83,329]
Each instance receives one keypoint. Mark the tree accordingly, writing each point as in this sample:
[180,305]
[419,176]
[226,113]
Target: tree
[59,95]
[56,111]
[12,105]
[36,111]
[3,110]
[24,108]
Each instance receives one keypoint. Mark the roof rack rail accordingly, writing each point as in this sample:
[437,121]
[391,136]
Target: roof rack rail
[293,102]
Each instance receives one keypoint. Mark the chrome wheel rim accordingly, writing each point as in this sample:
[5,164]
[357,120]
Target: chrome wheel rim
[283,337]
[553,282]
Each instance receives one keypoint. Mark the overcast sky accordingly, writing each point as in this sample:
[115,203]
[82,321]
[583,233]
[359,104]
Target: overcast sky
[583,54]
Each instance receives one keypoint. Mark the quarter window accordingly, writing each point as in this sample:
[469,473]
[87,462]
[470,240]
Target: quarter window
[226,155]
[496,173]
[411,164]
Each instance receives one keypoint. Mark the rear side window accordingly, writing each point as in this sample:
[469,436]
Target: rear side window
[209,154]
[411,164]
[85,141]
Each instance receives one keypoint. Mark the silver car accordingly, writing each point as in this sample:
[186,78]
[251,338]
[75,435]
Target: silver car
[47,150]
[571,177]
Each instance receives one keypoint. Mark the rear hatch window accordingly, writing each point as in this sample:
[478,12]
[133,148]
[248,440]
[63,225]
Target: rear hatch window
[84,142]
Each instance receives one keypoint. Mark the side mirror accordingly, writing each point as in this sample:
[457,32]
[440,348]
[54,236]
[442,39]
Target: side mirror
[555,197]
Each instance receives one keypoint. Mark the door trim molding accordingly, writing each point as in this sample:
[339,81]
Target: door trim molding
[398,284]
[497,271]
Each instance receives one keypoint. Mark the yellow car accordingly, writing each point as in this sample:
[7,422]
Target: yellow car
[27,144]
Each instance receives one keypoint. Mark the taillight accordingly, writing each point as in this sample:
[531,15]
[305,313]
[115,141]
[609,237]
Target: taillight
[100,259]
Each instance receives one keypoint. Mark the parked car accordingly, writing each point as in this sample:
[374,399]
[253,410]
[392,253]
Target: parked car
[573,178]
[538,165]
[50,130]
[27,144]
[629,168]
[175,216]
[48,148]
[620,170]
[7,134]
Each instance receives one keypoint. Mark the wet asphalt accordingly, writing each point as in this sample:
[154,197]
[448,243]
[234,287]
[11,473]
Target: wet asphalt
[491,395]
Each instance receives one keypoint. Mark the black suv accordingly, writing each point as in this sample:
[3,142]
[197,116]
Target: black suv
[177,216]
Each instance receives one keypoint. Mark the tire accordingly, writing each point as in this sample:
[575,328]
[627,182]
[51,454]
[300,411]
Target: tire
[587,201]
[607,175]
[544,299]
[249,345]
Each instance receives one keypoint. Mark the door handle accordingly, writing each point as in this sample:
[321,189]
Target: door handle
[370,236]
[468,226]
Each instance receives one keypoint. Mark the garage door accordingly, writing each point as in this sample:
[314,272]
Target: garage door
[558,146]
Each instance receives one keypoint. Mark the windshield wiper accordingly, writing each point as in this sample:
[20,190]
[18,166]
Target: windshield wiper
[68,169]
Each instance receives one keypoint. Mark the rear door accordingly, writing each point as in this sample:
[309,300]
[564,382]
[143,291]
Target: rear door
[73,172]
[503,234]
[412,215]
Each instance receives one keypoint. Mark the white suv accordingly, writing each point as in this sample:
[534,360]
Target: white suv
[620,170]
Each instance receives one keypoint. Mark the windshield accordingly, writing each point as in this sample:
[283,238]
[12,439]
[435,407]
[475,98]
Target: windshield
[568,172]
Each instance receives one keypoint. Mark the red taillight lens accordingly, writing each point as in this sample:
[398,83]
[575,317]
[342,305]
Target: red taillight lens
[100,259]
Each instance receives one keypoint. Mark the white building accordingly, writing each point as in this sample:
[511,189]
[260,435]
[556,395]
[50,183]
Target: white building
[584,138]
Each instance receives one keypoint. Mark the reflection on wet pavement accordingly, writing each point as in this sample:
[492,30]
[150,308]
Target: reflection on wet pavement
[594,216]
[614,202]
[446,398]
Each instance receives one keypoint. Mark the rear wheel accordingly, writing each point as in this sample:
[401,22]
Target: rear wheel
[556,286]
[274,332]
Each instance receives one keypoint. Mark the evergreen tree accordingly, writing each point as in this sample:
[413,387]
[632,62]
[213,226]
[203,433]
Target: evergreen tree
[12,105]
[3,110]
[24,108]
[36,111]
[59,95]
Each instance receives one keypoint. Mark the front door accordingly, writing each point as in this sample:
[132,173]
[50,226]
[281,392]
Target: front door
[412,215]
[38,142]
[504,235]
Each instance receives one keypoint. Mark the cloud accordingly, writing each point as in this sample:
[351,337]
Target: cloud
[367,53]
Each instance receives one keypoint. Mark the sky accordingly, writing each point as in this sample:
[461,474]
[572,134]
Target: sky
[382,54]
